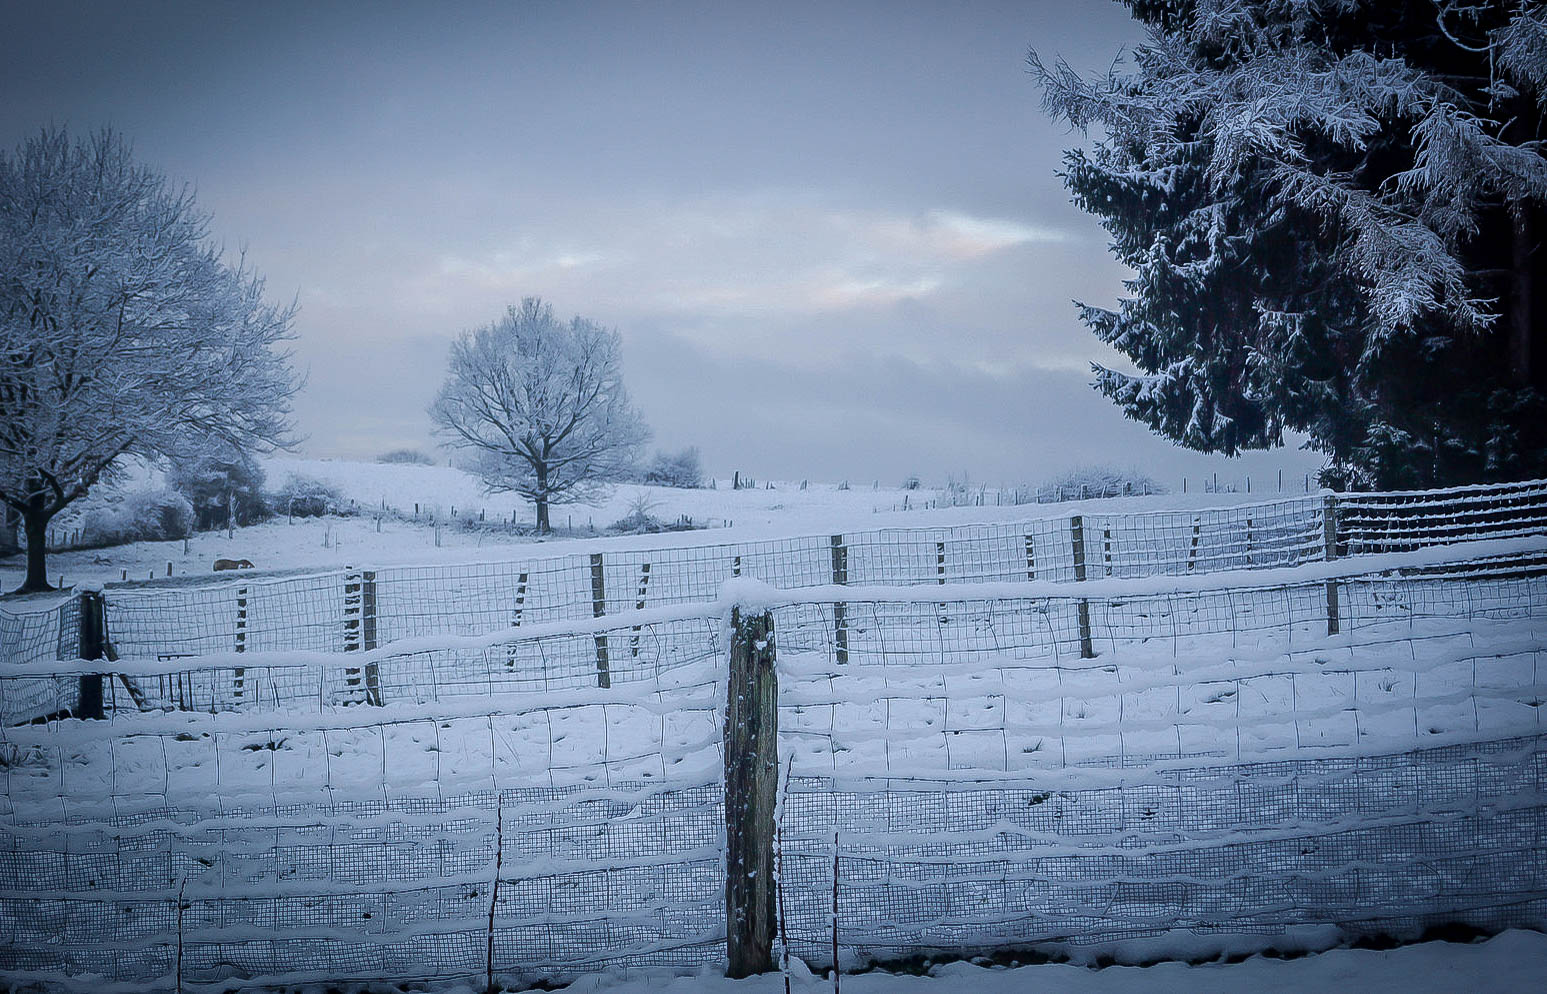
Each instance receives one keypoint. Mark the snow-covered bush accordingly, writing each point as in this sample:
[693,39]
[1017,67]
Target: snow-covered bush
[641,521]
[307,497]
[680,469]
[1098,481]
[406,457]
[215,482]
[140,516]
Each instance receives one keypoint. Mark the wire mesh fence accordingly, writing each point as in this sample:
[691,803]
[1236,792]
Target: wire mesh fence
[1219,763]
[308,611]
[1221,766]
[285,832]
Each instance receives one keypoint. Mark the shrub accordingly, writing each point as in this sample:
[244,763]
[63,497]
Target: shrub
[406,457]
[1098,481]
[307,497]
[156,515]
[640,520]
[216,481]
[681,469]
[911,483]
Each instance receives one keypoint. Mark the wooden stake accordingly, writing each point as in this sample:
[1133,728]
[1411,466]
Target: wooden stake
[751,791]
[599,608]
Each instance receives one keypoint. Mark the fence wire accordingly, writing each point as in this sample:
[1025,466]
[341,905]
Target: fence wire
[311,612]
[311,838]
[1222,764]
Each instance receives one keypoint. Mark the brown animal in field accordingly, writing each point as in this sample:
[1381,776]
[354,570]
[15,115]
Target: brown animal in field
[221,564]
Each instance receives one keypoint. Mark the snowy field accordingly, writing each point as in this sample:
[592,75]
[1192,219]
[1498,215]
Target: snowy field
[989,788]
[332,542]
[1170,761]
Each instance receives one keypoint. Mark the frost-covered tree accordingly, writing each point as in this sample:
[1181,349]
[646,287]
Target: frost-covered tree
[1333,211]
[223,485]
[122,329]
[541,405]
[683,469]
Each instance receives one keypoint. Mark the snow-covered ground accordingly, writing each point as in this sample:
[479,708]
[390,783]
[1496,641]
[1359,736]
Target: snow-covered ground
[398,539]
[1514,961]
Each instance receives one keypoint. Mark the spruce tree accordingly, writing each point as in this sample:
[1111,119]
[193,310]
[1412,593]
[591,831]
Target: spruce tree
[1332,210]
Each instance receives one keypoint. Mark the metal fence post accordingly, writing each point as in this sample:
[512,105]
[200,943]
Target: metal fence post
[1329,522]
[751,790]
[239,674]
[360,634]
[88,703]
[840,609]
[1082,609]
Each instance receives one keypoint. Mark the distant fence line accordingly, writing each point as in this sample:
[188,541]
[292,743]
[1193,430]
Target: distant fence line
[1224,767]
[324,611]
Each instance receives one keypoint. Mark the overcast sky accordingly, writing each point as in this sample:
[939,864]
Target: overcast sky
[829,233]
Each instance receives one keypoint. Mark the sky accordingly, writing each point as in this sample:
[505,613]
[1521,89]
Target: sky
[830,235]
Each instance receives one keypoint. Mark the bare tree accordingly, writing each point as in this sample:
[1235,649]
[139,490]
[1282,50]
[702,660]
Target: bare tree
[123,332]
[542,406]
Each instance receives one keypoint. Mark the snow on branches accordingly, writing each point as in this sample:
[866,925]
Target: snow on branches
[122,329]
[1349,164]
[541,405]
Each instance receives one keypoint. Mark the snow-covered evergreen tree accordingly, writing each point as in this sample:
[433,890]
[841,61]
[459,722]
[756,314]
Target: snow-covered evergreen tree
[1332,210]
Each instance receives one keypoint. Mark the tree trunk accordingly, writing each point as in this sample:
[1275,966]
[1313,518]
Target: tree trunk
[542,515]
[9,519]
[1521,313]
[35,525]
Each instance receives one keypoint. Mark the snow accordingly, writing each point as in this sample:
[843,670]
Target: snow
[1514,961]
[733,516]
[364,833]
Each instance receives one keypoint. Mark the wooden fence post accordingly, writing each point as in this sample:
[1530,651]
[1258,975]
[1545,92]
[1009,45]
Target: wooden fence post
[599,608]
[1077,538]
[840,609]
[751,789]
[88,703]
[1329,522]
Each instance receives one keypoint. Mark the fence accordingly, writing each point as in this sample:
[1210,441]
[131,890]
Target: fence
[313,611]
[1217,763]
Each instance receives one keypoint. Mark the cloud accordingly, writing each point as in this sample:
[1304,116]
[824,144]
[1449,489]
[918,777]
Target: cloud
[729,256]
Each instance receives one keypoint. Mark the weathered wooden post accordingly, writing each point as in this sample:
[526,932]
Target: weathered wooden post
[599,608]
[1082,609]
[1329,524]
[88,703]
[751,789]
[840,609]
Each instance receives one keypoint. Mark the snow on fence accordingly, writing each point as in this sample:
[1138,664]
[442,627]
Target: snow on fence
[314,611]
[1196,759]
